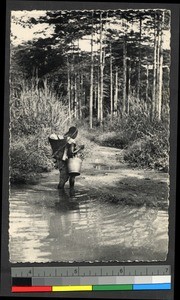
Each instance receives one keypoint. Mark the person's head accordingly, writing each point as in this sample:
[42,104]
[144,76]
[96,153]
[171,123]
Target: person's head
[72,132]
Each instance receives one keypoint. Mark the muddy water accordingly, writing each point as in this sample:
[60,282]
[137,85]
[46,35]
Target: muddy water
[47,225]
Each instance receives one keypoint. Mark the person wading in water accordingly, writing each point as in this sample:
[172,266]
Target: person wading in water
[64,147]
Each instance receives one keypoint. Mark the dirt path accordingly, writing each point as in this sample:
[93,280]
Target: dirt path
[106,174]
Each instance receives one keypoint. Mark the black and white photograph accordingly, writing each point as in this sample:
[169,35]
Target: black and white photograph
[89,135]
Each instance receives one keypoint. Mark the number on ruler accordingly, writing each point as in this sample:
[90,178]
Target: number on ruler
[121,270]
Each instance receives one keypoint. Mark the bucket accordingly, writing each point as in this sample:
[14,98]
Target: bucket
[74,166]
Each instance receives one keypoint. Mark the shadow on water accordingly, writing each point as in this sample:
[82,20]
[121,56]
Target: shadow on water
[47,224]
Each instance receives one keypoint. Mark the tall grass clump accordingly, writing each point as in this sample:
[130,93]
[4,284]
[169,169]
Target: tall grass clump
[151,150]
[34,115]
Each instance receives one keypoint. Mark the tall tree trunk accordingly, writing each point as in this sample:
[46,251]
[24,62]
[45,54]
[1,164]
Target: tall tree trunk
[78,85]
[129,88]
[95,98]
[101,72]
[116,92]
[139,61]
[84,101]
[111,84]
[160,84]
[98,96]
[157,67]
[71,90]
[160,73]
[68,89]
[124,76]
[73,78]
[154,72]
[81,97]
[91,83]
[147,86]
[72,85]
[75,97]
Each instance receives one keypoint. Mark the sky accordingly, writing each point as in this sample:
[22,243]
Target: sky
[23,34]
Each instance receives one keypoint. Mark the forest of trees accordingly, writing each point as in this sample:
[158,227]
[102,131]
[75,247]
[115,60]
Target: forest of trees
[118,87]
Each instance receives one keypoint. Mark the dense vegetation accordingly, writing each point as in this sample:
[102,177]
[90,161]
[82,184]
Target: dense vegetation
[117,92]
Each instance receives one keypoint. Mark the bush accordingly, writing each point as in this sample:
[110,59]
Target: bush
[151,152]
[28,160]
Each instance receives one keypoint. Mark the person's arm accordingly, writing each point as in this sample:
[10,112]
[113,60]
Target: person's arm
[81,147]
[71,150]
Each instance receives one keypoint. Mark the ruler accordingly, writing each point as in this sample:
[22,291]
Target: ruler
[90,278]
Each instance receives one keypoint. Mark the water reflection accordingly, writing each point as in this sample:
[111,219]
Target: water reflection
[67,201]
[74,225]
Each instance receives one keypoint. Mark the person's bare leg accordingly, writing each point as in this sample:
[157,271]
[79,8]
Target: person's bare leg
[63,176]
[71,181]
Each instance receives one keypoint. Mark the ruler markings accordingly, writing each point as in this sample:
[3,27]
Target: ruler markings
[92,270]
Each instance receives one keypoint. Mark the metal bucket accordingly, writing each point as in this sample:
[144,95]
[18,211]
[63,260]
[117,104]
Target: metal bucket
[74,166]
